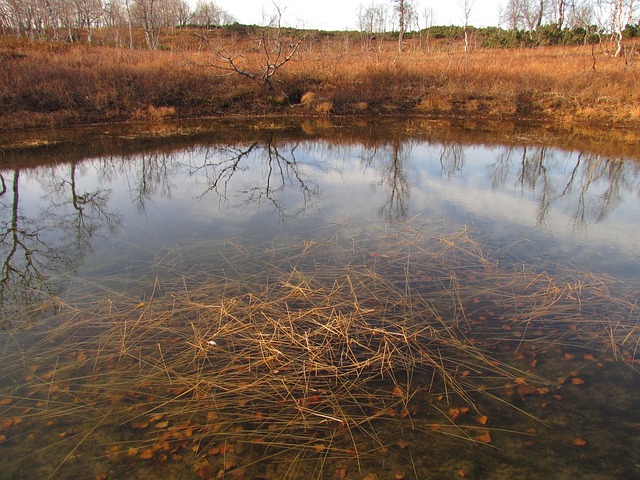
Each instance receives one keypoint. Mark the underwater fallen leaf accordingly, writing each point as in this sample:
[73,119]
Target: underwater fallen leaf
[341,472]
[589,357]
[319,447]
[482,419]
[204,471]
[397,391]
[146,454]
[229,463]
[6,401]
[7,423]
[577,381]
[578,442]
[112,452]
[462,473]
[484,437]
[525,389]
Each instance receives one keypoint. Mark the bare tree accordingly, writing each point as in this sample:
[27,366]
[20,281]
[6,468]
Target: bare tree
[559,12]
[372,24]
[146,13]
[526,14]
[428,16]
[208,14]
[467,7]
[88,14]
[276,45]
[402,9]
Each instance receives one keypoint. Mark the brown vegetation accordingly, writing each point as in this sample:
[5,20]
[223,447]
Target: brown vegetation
[56,84]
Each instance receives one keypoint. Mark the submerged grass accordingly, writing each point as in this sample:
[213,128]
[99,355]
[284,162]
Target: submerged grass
[301,358]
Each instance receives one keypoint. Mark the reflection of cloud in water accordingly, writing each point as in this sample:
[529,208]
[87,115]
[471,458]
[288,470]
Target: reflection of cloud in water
[567,202]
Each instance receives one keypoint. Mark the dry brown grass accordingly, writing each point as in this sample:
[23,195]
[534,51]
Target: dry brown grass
[318,349]
[56,84]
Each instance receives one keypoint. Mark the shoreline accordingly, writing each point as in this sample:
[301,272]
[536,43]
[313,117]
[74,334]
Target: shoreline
[36,147]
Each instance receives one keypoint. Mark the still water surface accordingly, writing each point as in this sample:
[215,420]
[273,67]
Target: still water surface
[94,227]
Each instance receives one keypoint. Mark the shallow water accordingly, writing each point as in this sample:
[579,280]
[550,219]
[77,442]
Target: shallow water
[533,247]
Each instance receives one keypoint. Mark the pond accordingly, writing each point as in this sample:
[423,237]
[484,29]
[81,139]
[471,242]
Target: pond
[306,299]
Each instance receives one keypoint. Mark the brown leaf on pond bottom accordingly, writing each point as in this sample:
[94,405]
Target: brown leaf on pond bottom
[578,442]
[484,437]
[147,454]
[112,452]
[525,389]
[482,419]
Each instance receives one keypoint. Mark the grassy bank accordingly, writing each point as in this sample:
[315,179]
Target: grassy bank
[58,84]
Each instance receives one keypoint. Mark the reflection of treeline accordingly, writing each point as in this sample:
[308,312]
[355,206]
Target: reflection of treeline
[62,146]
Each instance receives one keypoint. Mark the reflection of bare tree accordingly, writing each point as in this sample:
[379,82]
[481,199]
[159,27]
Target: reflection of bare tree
[26,259]
[594,184]
[451,159]
[153,178]
[280,170]
[80,214]
[391,163]
[34,248]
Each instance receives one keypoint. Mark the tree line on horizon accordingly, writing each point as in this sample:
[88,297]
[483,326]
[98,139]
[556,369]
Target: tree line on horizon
[520,22]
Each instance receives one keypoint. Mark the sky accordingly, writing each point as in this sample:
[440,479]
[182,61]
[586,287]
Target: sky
[342,14]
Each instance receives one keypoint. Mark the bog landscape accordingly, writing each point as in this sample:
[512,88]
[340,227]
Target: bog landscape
[264,252]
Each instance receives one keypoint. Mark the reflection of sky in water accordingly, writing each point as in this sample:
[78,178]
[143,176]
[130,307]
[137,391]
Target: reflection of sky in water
[550,205]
